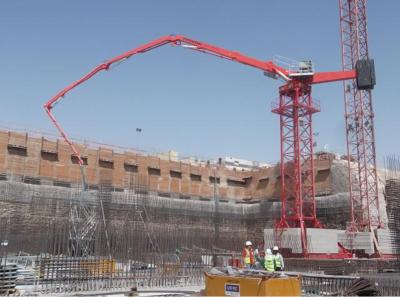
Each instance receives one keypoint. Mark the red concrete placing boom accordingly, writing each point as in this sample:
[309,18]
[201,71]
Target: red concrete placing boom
[295,107]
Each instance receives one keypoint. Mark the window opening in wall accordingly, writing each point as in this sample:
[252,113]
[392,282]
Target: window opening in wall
[322,175]
[262,183]
[164,194]
[130,167]
[75,160]
[93,187]
[183,196]
[62,184]
[154,171]
[18,150]
[195,177]
[31,180]
[175,174]
[248,180]
[236,183]
[49,156]
[212,179]
[106,163]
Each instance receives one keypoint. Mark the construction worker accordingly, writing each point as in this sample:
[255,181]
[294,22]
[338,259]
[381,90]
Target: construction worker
[248,255]
[269,261]
[259,255]
[278,259]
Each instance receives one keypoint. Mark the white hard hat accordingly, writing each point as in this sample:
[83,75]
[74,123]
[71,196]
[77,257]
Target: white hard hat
[248,243]
[275,248]
[268,251]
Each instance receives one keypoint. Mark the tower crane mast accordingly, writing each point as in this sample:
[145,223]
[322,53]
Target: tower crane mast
[359,117]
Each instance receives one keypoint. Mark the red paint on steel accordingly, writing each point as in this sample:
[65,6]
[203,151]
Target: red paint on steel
[295,109]
[359,117]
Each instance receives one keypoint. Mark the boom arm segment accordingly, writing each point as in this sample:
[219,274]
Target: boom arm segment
[266,66]
[325,77]
[179,40]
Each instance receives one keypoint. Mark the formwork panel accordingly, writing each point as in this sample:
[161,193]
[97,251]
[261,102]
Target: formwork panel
[358,241]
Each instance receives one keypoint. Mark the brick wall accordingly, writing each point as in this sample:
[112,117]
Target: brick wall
[39,160]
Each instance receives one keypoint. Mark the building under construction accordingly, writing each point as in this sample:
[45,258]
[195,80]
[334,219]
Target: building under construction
[153,209]
[82,216]
[48,174]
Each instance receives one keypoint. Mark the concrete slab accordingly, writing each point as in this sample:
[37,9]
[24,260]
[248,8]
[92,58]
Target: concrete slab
[360,241]
[323,240]
[385,239]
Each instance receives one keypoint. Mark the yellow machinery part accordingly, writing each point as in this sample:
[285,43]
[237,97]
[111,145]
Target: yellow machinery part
[221,285]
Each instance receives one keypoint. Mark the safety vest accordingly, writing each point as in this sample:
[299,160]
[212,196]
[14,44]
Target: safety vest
[269,263]
[248,256]
[277,260]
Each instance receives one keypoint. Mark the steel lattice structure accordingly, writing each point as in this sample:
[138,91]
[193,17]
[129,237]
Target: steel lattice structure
[295,108]
[84,222]
[359,116]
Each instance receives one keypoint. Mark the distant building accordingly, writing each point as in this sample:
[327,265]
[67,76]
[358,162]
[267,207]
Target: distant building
[243,165]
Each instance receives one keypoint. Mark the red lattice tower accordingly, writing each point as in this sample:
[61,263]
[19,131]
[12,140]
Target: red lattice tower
[296,107]
[359,116]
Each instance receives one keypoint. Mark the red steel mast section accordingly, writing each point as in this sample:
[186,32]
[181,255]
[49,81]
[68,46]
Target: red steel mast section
[295,108]
[359,116]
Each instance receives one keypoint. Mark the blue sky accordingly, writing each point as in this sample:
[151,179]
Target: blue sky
[185,101]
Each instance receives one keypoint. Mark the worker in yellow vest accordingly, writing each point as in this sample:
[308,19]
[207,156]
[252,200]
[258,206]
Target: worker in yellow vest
[248,255]
[278,259]
[269,261]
